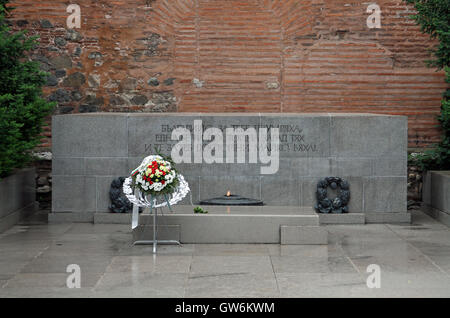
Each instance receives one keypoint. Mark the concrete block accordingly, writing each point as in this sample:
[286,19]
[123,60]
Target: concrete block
[293,168]
[222,229]
[321,167]
[216,228]
[439,215]
[8,221]
[307,215]
[436,195]
[362,148]
[9,195]
[74,194]
[237,225]
[112,218]
[17,191]
[369,136]
[345,218]
[11,219]
[163,232]
[352,167]
[303,235]
[68,166]
[388,217]
[278,191]
[107,167]
[440,190]
[426,188]
[385,194]
[90,135]
[356,194]
[390,166]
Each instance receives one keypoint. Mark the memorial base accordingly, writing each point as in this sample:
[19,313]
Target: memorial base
[229,225]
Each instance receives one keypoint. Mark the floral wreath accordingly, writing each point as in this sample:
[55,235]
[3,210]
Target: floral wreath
[155,183]
[155,176]
[338,204]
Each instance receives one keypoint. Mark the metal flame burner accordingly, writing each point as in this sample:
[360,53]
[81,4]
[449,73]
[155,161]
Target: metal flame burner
[232,200]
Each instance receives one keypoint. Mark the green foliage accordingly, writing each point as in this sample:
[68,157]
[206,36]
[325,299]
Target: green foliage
[199,210]
[22,108]
[434,18]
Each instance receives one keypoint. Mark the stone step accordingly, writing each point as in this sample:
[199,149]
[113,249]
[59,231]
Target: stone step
[288,235]
[303,235]
[233,225]
[344,218]
[306,213]
[163,232]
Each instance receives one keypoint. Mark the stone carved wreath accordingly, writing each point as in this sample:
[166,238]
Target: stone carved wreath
[336,205]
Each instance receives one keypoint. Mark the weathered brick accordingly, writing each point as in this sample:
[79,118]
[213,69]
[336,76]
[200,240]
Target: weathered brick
[241,56]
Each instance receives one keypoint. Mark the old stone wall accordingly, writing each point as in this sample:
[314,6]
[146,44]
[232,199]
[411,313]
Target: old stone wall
[235,56]
[43,167]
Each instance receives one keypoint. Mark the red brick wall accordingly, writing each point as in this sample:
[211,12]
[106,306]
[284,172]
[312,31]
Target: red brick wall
[237,56]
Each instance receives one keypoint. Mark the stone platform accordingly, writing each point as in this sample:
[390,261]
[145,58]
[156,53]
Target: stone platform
[414,260]
[285,225]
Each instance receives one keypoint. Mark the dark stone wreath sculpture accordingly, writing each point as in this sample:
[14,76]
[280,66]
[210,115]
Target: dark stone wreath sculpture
[338,204]
[119,202]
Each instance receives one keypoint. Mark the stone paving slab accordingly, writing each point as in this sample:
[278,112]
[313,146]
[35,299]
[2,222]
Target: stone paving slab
[232,285]
[320,284]
[150,264]
[414,261]
[209,265]
[140,284]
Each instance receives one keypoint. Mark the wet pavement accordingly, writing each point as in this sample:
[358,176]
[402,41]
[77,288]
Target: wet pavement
[414,261]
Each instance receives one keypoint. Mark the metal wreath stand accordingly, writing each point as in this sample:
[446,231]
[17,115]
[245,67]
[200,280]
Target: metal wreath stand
[154,202]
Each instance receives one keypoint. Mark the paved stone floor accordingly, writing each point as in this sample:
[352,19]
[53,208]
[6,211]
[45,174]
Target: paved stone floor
[414,261]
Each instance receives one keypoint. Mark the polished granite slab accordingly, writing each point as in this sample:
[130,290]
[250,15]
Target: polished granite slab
[368,150]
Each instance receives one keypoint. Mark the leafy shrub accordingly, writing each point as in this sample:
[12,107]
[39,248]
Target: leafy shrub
[434,18]
[199,210]
[22,107]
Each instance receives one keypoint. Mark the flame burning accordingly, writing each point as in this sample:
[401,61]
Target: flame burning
[229,194]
